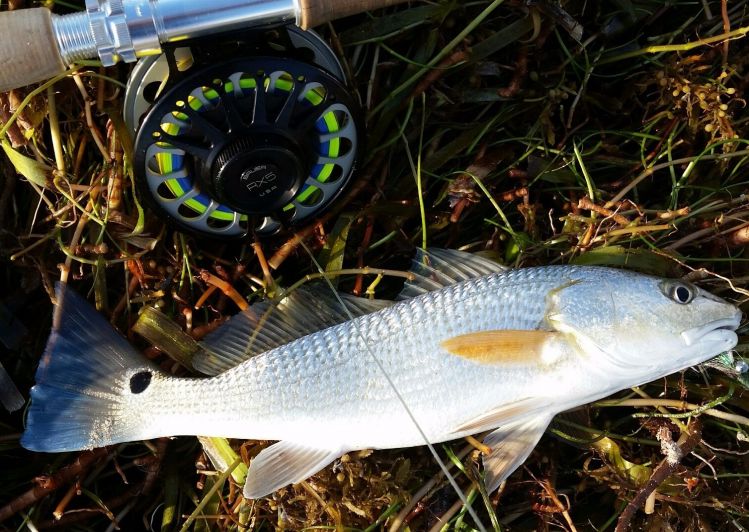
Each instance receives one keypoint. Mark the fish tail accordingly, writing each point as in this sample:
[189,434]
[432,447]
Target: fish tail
[88,385]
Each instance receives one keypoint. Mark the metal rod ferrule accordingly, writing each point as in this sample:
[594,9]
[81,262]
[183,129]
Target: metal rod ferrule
[124,30]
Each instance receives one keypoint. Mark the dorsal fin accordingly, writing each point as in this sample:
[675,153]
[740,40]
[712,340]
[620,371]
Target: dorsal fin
[438,268]
[271,324]
[268,325]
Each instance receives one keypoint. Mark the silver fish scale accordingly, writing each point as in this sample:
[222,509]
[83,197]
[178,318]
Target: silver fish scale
[329,379]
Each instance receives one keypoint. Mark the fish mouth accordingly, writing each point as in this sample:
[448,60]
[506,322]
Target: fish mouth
[721,331]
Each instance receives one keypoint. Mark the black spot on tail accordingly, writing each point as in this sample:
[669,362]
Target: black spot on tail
[140,381]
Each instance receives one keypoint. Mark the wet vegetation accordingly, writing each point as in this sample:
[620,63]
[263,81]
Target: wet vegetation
[611,133]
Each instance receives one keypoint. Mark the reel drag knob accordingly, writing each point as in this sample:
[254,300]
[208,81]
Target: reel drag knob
[261,175]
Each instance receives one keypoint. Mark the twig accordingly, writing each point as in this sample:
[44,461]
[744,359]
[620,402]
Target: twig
[587,204]
[267,277]
[14,131]
[283,253]
[350,271]
[518,77]
[482,447]
[54,129]
[74,490]
[558,506]
[687,441]
[81,464]
[675,403]
[329,509]
[225,287]
[122,303]
[635,230]
[204,297]
[82,221]
[462,191]
[359,283]
[441,55]
[288,247]
[89,117]
[152,466]
[209,494]
[116,172]
[726,29]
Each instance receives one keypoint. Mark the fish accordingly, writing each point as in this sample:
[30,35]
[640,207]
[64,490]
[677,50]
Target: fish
[469,346]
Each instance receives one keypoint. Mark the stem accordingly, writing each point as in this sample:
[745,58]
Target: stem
[675,403]
[659,48]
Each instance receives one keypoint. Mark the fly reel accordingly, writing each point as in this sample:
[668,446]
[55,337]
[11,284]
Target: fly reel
[250,133]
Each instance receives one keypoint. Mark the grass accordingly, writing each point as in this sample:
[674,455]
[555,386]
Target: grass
[596,133]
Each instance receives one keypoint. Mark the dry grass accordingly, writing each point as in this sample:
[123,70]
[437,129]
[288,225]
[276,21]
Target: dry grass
[609,133]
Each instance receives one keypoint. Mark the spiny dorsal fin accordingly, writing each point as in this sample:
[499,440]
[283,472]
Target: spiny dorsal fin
[268,325]
[437,268]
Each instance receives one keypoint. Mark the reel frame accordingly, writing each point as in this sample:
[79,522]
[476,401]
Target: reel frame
[243,144]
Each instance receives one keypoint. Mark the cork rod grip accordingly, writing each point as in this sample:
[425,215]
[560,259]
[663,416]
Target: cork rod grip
[316,12]
[28,49]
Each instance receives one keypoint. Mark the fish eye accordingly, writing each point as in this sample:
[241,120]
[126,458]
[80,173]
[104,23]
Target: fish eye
[679,292]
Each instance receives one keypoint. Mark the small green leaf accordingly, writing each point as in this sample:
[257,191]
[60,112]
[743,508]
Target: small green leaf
[29,168]
[331,256]
[222,456]
[636,473]
[141,213]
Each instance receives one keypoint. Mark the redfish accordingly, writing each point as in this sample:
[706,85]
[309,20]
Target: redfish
[470,347]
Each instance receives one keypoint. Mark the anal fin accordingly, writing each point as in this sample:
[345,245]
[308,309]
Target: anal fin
[285,463]
[510,446]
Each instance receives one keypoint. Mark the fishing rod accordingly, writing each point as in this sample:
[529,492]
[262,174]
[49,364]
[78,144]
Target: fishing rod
[243,118]
[37,44]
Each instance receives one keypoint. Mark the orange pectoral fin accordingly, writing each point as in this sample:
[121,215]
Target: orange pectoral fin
[514,347]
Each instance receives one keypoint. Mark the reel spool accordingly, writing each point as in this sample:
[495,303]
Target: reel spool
[248,134]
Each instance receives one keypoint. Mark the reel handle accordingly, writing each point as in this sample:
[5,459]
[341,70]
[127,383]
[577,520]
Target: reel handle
[316,12]
[28,48]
